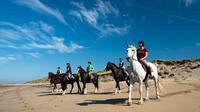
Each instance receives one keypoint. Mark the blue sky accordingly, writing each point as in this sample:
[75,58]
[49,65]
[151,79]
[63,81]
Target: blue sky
[36,36]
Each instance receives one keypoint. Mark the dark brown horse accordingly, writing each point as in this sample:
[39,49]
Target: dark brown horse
[118,74]
[85,78]
[66,80]
[54,79]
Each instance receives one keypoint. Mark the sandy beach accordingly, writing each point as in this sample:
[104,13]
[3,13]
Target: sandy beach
[178,96]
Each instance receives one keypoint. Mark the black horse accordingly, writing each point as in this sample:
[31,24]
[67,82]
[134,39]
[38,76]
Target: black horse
[66,80]
[54,79]
[118,74]
[85,78]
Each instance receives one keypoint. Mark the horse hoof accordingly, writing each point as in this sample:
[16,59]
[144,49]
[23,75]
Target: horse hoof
[96,91]
[158,97]
[140,102]
[146,99]
[129,103]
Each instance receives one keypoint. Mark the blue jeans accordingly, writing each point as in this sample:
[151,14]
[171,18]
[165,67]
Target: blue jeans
[145,63]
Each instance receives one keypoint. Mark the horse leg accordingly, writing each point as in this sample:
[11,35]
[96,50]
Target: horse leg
[119,89]
[127,82]
[97,85]
[84,91]
[79,87]
[63,85]
[116,89]
[54,87]
[72,84]
[140,92]
[147,90]
[156,86]
[129,93]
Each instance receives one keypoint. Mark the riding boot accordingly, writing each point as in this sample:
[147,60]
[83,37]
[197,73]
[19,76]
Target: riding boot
[149,71]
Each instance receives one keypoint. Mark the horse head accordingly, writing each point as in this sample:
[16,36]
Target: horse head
[131,52]
[80,70]
[110,66]
[50,74]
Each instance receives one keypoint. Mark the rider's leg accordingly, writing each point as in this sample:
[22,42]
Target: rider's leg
[147,66]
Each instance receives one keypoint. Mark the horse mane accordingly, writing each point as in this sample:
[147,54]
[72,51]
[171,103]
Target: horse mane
[82,69]
[113,64]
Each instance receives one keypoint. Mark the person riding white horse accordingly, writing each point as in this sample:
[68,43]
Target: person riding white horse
[137,74]
[142,54]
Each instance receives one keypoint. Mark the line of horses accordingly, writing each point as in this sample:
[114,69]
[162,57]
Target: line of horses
[136,74]
[85,78]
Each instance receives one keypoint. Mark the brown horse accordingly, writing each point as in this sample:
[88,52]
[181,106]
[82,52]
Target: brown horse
[54,79]
[118,74]
[66,80]
[85,78]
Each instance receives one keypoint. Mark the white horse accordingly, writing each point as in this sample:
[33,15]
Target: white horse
[137,74]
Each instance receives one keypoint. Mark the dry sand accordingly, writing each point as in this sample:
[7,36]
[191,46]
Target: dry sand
[182,96]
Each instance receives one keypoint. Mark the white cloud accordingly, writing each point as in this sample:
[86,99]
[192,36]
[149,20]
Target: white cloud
[38,6]
[34,31]
[90,16]
[106,8]
[9,34]
[4,59]
[96,17]
[107,29]
[76,14]
[35,35]
[33,54]
[57,44]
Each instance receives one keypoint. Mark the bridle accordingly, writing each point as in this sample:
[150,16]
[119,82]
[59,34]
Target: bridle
[132,57]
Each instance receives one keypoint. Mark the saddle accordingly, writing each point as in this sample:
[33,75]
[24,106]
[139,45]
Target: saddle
[147,70]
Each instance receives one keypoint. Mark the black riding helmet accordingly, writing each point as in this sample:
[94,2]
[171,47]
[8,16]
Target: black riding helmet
[141,42]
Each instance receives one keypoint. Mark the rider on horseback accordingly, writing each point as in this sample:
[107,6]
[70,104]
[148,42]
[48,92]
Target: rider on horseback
[90,69]
[58,71]
[122,67]
[68,71]
[142,54]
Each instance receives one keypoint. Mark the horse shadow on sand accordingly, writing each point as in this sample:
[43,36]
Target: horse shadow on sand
[49,93]
[114,101]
